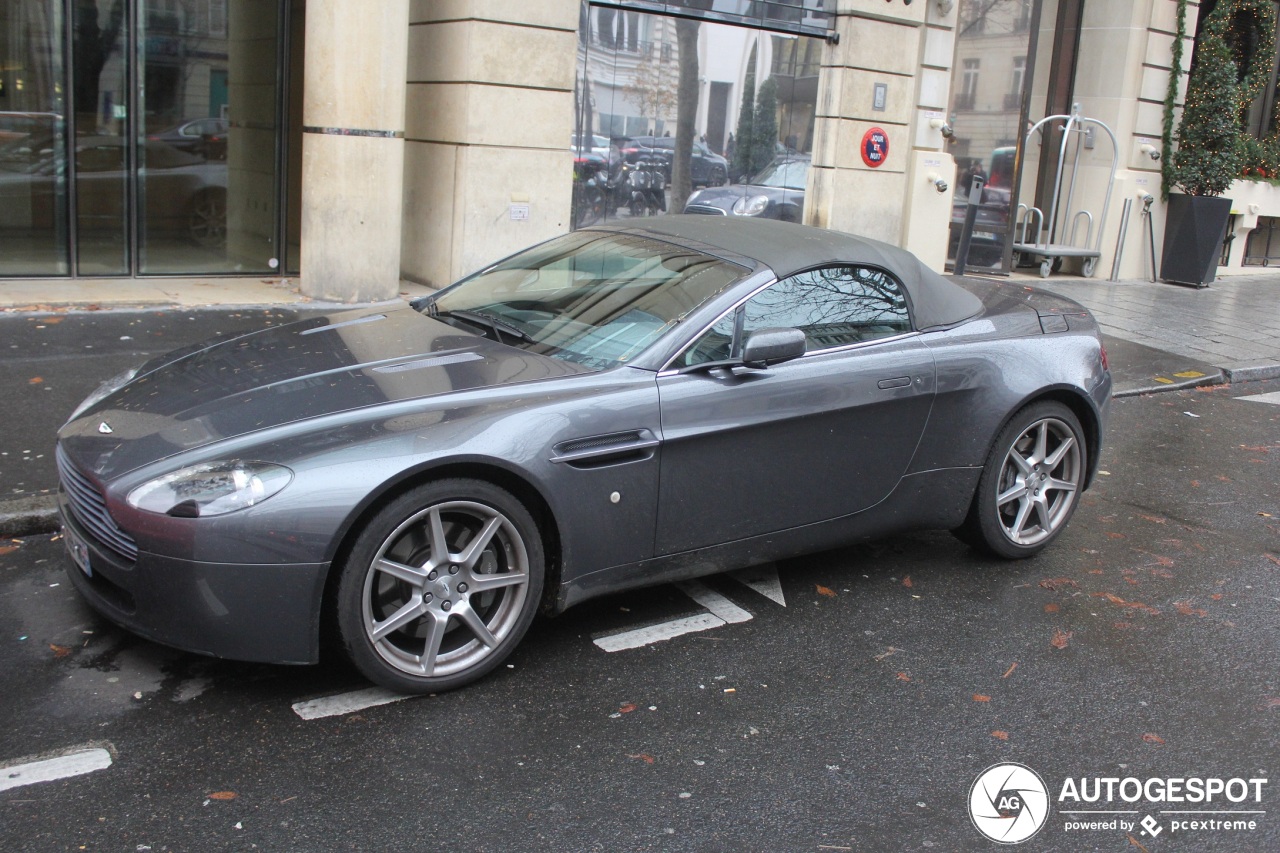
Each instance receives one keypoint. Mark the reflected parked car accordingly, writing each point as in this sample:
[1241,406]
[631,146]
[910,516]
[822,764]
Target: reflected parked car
[707,168]
[203,137]
[615,408]
[777,192]
[589,143]
[179,192]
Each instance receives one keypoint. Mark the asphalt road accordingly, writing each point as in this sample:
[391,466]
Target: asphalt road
[1143,644]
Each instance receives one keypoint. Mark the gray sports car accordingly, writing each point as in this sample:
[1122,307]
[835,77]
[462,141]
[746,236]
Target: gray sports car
[621,406]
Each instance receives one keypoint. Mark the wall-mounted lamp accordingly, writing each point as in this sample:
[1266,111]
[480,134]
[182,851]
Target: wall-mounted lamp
[945,7]
[936,179]
[1151,151]
[941,126]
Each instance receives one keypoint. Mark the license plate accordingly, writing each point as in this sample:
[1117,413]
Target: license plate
[79,550]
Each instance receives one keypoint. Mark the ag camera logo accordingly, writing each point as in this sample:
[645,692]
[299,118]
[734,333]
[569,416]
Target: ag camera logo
[1009,803]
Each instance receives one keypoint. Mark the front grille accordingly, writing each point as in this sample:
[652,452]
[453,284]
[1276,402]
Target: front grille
[704,209]
[90,509]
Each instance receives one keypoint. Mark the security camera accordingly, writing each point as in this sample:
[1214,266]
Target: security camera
[938,184]
[1145,197]
[1151,151]
[942,127]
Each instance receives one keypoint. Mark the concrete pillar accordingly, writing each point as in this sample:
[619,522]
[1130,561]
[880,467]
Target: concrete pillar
[353,148]
[889,72]
[488,168]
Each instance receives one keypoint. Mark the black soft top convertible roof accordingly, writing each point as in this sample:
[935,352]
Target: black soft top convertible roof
[787,248]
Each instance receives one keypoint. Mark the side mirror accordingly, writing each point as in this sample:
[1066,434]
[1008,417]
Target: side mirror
[766,347]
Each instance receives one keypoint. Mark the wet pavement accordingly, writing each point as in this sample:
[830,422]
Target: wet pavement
[855,717]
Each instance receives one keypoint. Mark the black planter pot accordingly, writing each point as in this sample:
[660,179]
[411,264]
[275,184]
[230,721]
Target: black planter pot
[1194,228]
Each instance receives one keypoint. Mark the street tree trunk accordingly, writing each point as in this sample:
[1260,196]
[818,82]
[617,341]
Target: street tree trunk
[686,113]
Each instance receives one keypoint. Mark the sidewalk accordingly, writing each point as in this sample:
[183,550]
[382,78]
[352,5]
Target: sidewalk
[1159,337]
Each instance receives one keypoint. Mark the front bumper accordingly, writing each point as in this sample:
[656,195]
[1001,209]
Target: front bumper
[262,613]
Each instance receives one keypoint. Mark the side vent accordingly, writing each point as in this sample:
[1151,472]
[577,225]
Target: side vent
[614,448]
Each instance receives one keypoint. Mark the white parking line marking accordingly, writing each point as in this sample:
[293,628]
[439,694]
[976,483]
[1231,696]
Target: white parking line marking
[75,763]
[638,637]
[346,703]
[764,580]
[721,612]
[1273,398]
[714,601]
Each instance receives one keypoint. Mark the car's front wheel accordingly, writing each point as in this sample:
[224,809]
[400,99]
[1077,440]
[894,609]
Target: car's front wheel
[1031,483]
[440,586]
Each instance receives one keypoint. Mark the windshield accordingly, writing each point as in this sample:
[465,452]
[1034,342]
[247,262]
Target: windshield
[596,299]
[784,174]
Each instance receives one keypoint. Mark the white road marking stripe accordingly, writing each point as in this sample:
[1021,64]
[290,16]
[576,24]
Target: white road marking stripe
[75,763]
[714,601]
[346,703]
[1273,398]
[658,633]
[764,580]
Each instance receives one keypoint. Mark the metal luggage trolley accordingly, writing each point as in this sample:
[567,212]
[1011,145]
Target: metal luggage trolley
[1078,129]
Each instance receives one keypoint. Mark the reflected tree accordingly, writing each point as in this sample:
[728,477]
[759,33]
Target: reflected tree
[93,45]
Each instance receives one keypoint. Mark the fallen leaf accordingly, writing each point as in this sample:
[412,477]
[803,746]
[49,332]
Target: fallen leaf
[1265,514]
[887,652]
[7,549]
[1217,596]
[1055,584]
[1136,843]
[1051,608]
[902,676]
[1154,519]
[1095,571]
[1195,484]
[1122,626]
[907,582]
[827,591]
[35,380]
[1008,672]
[1116,536]
[1273,558]
[1273,702]
[1000,734]
[627,708]
[1185,608]
[1152,738]
[59,651]
[979,697]
[223,795]
[645,757]
[1061,638]
[1162,573]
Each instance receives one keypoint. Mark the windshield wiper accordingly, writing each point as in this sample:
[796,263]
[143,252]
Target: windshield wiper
[485,321]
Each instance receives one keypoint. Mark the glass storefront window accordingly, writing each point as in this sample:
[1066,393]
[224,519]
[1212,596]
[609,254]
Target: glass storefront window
[147,136]
[989,78]
[752,110]
[33,140]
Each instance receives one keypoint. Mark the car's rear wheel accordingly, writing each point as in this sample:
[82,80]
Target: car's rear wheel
[440,586]
[1030,485]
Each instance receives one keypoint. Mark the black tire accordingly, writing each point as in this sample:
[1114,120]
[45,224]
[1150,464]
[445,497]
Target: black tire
[1030,485]
[417,621]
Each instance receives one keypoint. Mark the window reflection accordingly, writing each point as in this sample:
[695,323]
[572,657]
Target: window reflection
[833,306]
[989,78]
[753,105]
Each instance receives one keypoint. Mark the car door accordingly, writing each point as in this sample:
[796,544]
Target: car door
[749,452]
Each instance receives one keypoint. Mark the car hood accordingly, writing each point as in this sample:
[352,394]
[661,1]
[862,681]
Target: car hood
[724,197]
[320,366]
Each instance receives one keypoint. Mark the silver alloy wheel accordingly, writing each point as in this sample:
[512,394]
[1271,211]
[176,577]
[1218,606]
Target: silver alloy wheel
[1039,481]
[445,589]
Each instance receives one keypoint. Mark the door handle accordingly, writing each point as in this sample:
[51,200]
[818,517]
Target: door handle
[896,382]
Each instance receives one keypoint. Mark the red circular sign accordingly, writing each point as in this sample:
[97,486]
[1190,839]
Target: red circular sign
[875,147]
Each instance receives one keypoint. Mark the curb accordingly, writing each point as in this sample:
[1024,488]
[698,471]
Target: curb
[1251,372]
[28,516]
[1218,377]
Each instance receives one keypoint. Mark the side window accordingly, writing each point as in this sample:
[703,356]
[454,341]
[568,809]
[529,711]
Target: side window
[833,306]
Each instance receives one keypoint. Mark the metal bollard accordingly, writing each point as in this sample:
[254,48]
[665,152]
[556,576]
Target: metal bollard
[970,217]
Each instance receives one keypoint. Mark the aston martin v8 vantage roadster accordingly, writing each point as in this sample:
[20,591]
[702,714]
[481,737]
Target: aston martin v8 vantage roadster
[621,406]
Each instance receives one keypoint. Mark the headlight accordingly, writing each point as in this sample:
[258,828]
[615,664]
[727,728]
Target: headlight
[751,205]
[693,199]
[214,488]
[106,389]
